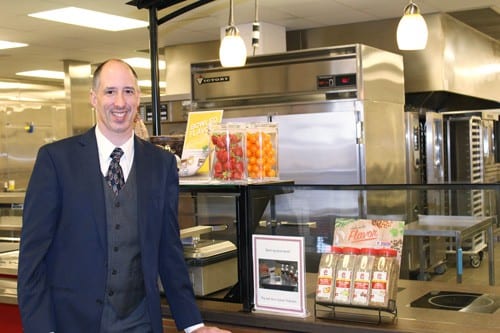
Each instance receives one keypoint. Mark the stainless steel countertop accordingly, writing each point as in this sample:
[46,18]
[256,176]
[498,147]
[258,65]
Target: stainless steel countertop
[8,291]
[8,262]
[11,223]
[9,256]
[15,197]
[409,319]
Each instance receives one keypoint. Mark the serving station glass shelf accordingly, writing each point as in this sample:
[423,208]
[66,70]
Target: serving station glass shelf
[310,211]
[250,201]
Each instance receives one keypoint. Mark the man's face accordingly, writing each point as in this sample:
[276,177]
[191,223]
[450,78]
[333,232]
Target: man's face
[116,100]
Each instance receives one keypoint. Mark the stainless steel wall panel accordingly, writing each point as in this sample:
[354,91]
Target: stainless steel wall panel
[78,78]
[381,75]
[20,143]
[385,146]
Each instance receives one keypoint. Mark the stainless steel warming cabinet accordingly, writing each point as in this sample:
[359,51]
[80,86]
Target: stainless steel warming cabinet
[339,110]
[340,117]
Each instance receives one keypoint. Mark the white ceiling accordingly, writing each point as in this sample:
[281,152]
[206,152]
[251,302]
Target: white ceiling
[50,43]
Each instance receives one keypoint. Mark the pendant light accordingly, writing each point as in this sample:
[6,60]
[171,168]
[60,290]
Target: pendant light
[412,30]
[232,51]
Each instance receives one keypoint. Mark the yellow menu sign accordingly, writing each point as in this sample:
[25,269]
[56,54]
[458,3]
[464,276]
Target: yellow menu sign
[194,159]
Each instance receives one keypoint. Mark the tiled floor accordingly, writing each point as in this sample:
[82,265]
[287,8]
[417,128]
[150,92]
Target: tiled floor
[472,275]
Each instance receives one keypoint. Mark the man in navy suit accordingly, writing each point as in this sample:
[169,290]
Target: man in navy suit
[90,257]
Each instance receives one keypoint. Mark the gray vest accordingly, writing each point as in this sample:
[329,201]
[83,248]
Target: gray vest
[125,280]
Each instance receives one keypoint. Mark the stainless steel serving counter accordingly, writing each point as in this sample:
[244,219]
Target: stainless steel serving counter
[8,262]
[9,254]
[10,223]
[460,228]
[14,197]
[409,319]
[8,291]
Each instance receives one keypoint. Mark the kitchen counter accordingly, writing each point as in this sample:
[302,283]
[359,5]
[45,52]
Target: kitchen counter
[11,223]
[9,254]
[409,319]
[12,197]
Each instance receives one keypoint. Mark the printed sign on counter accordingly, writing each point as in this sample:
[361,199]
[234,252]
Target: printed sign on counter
[194,159]
[279,275]
[374,233]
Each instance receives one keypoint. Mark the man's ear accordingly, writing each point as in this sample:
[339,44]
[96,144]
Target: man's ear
[93,98]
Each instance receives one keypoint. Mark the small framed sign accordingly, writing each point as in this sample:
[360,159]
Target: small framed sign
[279,275]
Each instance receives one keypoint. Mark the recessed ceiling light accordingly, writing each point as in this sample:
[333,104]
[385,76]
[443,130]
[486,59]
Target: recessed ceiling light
[143,63]
[43,74]
[9,85]
[90,19]
[10,45]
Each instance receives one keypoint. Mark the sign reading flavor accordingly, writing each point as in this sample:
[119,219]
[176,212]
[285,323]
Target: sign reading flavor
[373,233]
[194,159]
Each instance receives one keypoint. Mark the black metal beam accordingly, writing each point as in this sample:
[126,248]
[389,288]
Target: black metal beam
[155,81]
[158,4]
[183,10]
[153,6]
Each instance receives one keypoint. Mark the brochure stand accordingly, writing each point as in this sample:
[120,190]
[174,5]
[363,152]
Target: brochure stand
[355,313]
[352,276]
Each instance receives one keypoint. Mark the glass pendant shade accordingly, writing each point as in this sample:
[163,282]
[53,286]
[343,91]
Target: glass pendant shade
[232,51]
[412,30]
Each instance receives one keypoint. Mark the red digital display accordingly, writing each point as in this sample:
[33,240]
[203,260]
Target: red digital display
[336,81]
[345,80]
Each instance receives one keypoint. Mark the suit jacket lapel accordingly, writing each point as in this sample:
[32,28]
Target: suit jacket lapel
[93,180]
[143,166]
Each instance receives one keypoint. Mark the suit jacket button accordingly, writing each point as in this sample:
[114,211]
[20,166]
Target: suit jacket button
[110,293]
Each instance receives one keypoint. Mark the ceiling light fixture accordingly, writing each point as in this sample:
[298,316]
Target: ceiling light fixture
[232,51]
[412,30]
[10,45]
[90,19]
[42,73]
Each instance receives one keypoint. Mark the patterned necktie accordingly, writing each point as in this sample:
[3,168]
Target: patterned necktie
[115,178]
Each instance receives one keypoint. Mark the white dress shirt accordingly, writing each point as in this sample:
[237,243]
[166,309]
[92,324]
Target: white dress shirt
[105,148]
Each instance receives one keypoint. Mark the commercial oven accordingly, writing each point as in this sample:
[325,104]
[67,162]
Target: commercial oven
[425,165]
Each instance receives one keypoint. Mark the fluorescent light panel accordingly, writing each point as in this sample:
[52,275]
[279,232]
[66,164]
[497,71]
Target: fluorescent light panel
[43,74]
[90,19]
[10,45]
[10,85]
